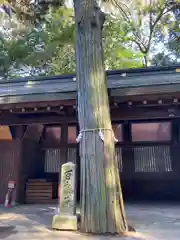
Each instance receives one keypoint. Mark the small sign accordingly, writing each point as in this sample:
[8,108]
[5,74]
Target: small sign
[11,184]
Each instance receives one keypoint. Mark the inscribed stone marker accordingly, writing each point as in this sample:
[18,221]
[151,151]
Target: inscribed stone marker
[67,219]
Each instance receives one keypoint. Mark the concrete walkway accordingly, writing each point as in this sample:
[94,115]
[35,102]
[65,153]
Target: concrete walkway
[34,222]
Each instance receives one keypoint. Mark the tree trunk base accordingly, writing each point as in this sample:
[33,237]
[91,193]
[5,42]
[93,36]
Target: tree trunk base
[130,229]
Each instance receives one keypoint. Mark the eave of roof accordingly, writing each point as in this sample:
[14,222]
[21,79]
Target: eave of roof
[125,82]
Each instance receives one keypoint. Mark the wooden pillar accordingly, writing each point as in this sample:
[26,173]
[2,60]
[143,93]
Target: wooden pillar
[175,148]
[64,148]
[128,162]
[78,170]
[34,132]
[127,151]
[17,133]
[31,161]
[64,143]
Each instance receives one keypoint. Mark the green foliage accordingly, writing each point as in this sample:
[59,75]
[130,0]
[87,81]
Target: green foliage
[146,21]
[118,52]
[162,59]
[174,35]
[55,53]
[62,39]
[171,42]
[39,50]
[49,48]
[31,12]
[14,52]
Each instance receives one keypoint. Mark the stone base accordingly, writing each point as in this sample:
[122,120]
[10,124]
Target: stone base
[62,222]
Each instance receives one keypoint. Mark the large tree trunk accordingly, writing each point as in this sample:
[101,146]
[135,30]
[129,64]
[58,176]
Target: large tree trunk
[102,209]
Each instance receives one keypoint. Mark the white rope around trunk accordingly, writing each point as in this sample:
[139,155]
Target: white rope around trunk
[101,135]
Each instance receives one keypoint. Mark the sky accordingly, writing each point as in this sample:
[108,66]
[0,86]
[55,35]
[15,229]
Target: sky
[69,3]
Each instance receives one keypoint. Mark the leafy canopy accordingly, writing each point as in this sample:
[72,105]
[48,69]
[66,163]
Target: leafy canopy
[49,48]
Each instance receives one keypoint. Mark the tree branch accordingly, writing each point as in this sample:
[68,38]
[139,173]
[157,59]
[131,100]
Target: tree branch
[123,12]
[150,16]
[143,50]
[152,26]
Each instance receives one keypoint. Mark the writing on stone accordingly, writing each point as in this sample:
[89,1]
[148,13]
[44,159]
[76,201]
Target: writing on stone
[67,192]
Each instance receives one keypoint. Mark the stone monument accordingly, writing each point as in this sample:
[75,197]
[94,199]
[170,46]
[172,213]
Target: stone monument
[67,219]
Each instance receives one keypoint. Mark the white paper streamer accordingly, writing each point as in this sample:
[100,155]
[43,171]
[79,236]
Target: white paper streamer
[79,137]
[115,139]
[101,135]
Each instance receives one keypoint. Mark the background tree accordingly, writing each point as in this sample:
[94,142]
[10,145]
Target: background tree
[49,49]
[119,53]
[170,52]
[145,21]
[14,45]
[174,36]
[163,59]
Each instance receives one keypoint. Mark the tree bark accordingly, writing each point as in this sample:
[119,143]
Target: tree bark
[146,60]
[102,208]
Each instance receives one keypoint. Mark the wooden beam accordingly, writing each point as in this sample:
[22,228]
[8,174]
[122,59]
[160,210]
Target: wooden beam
[14,120]
[24,111]
[131,113]
[145,102]
[39,104]
[117,114]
